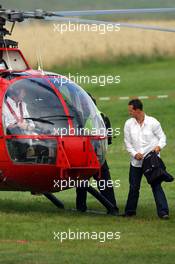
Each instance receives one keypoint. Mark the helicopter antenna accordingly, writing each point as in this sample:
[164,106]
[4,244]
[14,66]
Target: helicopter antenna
[40,65]
[39,61]
[38,52]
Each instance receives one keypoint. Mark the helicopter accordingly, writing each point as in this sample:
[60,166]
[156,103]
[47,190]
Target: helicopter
[46,140]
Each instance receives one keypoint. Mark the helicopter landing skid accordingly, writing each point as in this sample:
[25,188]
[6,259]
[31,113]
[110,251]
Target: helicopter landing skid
[54,200]
[102,199]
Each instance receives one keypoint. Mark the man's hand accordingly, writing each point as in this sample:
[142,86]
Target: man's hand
[23,125]
[138,156]
[157,149]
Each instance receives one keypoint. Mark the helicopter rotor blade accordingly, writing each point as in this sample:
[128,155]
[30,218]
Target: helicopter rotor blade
[40,14]
[19,16]
[16,15]
[114,11]
[140,26]
[123,24]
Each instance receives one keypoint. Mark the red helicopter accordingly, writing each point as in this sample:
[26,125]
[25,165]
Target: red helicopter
[50,129]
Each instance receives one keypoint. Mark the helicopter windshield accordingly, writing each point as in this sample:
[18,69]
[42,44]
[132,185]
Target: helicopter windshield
[33,107]
[87,118]
[34,101]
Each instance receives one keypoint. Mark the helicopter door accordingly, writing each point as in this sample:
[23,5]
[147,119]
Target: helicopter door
[32,112]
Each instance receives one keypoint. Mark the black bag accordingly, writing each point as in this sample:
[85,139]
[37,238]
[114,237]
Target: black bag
[154,169]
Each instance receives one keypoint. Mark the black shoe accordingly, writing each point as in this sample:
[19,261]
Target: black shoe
[164,217]
[113,212]
[128,214]
[82,210]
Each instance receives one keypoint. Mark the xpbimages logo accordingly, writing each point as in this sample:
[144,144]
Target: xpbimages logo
[101,28]
[80,79]
[71,183]
[85,235]
[101,132]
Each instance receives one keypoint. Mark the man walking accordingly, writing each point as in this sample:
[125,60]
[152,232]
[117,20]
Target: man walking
[143,134]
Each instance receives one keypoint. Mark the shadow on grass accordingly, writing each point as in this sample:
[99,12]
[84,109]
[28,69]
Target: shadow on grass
[43,206]
[27,206]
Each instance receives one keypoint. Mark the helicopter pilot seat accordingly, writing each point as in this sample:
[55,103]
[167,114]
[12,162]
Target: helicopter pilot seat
[23,150]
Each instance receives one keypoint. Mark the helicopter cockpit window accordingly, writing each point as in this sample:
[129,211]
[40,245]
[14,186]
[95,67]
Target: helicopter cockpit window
[31,107]
[32,150]
[87,118]
[86,115]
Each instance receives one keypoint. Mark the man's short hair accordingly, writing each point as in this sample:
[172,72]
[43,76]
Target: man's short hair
[136,103]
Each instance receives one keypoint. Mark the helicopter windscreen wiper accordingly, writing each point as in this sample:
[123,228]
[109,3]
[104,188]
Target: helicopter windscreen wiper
[39,120]
[55,117]
[58,116]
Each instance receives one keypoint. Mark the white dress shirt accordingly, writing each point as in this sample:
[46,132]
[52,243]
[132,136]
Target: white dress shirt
[9,118]
[143,138]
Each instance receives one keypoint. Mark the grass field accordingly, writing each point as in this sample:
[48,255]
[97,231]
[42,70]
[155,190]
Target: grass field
[28,223]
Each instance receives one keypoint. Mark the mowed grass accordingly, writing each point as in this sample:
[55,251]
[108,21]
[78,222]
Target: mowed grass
[28,222]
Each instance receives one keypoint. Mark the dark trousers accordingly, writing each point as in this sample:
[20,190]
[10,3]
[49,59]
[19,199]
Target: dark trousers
[135,176]
[105,190]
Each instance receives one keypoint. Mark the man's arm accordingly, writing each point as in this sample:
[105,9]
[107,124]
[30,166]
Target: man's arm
[158,132]
[30,124]
[7,117]
[128,143]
